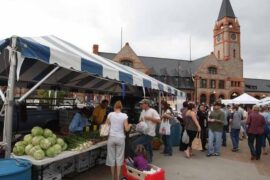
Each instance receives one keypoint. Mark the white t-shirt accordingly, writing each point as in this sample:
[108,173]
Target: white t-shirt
[151,125]
[117,123]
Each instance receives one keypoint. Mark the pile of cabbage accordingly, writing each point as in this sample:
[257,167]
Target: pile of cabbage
[39,144]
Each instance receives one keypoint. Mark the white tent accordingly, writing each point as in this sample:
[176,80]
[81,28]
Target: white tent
[264,101]
[245,99]
[226,101]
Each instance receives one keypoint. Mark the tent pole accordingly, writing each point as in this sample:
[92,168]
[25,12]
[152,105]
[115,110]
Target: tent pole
[38,84]
[2,95]
[7,132]
[159,102]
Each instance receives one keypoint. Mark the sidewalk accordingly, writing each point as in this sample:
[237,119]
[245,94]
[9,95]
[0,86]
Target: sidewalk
[229,166]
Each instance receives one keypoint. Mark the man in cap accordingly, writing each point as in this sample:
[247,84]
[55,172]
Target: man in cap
[215,124]
[151,118]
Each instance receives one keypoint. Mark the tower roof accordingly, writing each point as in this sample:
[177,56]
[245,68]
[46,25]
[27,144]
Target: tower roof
[226,10]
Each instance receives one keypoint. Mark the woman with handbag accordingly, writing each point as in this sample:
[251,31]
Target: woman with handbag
[166,133]
[192,127]
[118,122]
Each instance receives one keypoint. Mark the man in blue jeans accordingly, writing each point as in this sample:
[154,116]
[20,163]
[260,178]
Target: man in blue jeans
[236,118]
[215,124]
[152,118]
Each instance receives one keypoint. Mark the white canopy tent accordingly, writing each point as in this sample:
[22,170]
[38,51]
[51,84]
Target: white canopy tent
[245,99]
[264,101]
[54,63]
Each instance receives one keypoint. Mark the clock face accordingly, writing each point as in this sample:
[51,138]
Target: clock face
[219,38]
[233,36]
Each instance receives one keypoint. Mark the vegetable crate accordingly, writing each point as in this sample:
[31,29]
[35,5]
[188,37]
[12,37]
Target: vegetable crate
[131,173]
[82,162]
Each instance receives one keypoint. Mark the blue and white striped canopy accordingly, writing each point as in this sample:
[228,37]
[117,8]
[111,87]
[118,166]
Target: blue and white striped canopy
[79,69]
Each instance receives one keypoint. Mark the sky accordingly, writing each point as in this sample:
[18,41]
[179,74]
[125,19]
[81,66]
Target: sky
[156,28]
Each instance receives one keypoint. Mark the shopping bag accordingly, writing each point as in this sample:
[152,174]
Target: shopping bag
[185,137]
[104,129]
[142,127]
[197,143]
[165,128]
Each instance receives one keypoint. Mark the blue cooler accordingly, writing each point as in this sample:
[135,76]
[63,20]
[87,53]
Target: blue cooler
[10,169]
[175,134]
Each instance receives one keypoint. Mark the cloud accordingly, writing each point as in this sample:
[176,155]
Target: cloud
[153,28]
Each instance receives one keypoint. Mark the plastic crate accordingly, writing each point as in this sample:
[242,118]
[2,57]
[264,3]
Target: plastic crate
[93,156]
[51,175]
[133,174]
[82,162]
[68,165]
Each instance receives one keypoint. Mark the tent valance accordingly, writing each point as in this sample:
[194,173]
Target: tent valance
[81,69]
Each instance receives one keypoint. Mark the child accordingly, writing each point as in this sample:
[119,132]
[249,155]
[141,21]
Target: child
[140,160]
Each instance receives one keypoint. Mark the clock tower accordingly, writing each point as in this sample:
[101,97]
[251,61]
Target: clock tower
[227,34]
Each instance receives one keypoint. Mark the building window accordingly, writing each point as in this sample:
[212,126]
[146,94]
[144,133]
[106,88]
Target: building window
[234,53]
[221,96]
[203,98]
[221,84]
[218,54]
[212,99]
[213,84]
[127,63]
[203,83]
[212,70]
[235,83]
[188,96]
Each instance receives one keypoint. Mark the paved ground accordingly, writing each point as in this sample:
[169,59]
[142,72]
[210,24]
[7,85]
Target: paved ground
[229,166]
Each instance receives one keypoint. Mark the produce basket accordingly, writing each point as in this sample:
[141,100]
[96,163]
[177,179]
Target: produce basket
[131,173]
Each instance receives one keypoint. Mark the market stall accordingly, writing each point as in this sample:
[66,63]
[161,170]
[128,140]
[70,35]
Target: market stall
[49,62]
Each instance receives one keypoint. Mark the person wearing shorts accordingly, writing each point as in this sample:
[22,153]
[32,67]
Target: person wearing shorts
[118,122]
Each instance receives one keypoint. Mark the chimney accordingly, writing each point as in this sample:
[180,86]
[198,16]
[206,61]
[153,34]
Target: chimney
[95,48]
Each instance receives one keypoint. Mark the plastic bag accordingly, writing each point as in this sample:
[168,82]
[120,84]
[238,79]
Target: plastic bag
[197,143]
[104,129]
[165,128]
[142,127]
[185,137]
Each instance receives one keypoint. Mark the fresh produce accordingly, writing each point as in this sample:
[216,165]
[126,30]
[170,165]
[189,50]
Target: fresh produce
[28,138]
[39,154]
[45,143]
[18,150]
[40,143]
[76,143]
[36,140]
[47,133]
[37,131]
[28,148]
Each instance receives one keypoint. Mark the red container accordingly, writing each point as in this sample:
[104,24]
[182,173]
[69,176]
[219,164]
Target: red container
[133,174]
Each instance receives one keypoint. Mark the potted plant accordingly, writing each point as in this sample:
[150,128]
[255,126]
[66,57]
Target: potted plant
[156,143]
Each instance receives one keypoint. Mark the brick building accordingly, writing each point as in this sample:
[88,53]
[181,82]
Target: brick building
[217,75]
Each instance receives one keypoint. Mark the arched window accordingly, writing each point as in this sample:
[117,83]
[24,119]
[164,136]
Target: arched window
[221,96]
[212,70]
[203,98]
[212,98]
[234,53]
[127,63]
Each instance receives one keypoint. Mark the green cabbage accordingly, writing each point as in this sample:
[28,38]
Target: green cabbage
[37,131]
[18,150]
[28,138]
[50,152]
[54,136]
[47,133]
[64,147]
[52,140]
[45,143]
[28,148]
[39,154]
[34,149]
[60,141]
[36,140]
[58,148]
[21,143]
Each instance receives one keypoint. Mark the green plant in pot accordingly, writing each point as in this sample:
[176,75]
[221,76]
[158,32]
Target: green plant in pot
[156,143]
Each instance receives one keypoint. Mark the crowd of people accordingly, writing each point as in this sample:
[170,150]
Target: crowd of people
[212,124]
